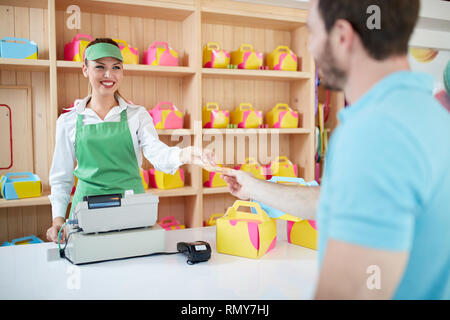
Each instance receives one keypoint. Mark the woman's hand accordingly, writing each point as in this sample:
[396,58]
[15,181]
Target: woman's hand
[198,156]
[52,232]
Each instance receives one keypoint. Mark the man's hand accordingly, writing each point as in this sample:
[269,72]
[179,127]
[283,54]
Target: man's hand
[239,183]
[197,156]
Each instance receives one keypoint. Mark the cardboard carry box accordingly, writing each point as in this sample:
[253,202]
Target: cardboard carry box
[245,234]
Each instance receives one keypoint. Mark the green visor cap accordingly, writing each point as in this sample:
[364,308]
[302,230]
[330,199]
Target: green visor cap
[102,50]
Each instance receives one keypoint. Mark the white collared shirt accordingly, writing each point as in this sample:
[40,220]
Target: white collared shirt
[143,133]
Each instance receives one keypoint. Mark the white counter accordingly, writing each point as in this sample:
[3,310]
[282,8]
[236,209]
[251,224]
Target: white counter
[36,272]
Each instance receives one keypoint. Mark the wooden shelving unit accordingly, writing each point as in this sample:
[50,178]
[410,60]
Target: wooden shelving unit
[186,25]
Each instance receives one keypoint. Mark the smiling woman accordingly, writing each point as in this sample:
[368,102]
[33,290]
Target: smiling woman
[104,134]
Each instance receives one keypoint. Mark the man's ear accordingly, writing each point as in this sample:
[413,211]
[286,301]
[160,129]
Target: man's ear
[85,70]
[343,35]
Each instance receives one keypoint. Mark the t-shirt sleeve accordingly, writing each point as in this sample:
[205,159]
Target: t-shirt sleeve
[377,184]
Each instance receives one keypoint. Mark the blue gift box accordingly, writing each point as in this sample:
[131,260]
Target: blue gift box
[20,241]
[18,48]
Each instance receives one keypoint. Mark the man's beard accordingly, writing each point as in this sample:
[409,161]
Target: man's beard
[332,78]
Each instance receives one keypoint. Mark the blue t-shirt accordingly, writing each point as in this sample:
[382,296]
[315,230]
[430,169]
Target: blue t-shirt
[386,183]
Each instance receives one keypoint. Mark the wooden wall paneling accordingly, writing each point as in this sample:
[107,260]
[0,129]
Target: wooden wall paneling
[15,224]
[4,236]
[43,221]
[19,100]
[42,124]
[29,221]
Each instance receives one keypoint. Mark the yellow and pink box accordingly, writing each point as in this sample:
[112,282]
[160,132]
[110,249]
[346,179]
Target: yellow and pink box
[167,118]
[130,54]
[74,50]
[282,58]
[214,117]
[18,48]
[245,116]
[252,166]
[214,57]
[301,232]
[160,54]
[170,223]
[246,57]
[282,116]
[245,234]
[164,181]
[20,185]
[281,166]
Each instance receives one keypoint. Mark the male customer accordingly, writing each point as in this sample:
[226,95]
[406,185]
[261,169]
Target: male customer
[384,209]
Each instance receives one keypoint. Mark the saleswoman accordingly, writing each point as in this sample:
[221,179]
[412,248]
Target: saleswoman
[105,134]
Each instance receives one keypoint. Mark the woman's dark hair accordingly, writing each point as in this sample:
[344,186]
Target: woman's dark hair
[397,21]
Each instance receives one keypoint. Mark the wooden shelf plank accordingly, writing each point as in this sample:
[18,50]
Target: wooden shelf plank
[24,64]
[256,74]
[44,200]
[38,201]
[134,69]
[256,131]
[179,192]
[176,132]
[166,10]
[217,190]
[251,19]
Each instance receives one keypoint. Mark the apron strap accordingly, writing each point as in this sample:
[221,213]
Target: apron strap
[124,116]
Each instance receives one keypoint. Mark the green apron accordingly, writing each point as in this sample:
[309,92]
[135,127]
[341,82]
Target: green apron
[106,159]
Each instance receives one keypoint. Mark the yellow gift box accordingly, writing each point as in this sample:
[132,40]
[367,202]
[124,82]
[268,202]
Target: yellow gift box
[245,234]
[300,232]
[130,55]
[246,57]
[164,181]
[282,58]
[214,57]
[252,166]
[213,219]
[245,116]
[283,167]
[213,117]
[282,116]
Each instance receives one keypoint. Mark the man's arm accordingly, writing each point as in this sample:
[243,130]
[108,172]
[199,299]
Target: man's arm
[354,272]
[297,201]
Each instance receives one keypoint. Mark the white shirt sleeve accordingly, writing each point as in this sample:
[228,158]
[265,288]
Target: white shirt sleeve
[61,176]
[161,156]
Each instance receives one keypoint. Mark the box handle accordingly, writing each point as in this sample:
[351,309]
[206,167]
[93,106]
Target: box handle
[245,106]
[246,47]
[81,35]
[283,49]
[282,106]
[260,213]
[19,176]
[165,103]
[212,106]
[159,44]
[123,42]
[282,159]
[12,39]
[213,45]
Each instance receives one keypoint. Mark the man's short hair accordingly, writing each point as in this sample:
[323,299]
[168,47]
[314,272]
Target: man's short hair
[398,19]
